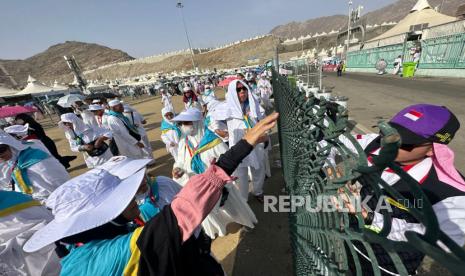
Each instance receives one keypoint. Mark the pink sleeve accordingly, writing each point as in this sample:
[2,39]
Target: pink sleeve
[195,201]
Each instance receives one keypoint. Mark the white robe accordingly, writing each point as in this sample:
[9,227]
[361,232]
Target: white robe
[15,230]
[237,128]
[193,104]
[168,137]
[166,100]
[88,134]
[136,119]
[127,145]
[88,118]
[235,208]
[265,90]
[45,176]
[255,161]
[208,95]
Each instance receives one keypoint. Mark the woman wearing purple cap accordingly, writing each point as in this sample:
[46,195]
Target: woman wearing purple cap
[425,131]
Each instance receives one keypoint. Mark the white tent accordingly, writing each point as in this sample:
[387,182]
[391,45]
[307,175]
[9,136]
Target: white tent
[58,87]
[5,92]
[421,13]
[34,87]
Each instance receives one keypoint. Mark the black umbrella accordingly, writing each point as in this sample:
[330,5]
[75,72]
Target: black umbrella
[105,95]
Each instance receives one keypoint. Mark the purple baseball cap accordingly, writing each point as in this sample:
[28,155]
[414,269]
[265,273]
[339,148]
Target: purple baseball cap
[424,123]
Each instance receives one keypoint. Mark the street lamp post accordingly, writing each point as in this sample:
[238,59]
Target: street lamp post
[348,28]
[180,6]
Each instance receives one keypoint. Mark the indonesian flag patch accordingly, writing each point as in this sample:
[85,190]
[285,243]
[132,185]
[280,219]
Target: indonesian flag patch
[413,115]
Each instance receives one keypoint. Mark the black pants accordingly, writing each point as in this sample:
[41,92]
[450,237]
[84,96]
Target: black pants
[339,73]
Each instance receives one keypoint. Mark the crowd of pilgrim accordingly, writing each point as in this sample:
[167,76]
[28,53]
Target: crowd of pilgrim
[117,219]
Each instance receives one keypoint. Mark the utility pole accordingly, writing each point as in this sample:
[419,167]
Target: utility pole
[442,5]
[180,6]
[302,47]
[77,72]
[348,27]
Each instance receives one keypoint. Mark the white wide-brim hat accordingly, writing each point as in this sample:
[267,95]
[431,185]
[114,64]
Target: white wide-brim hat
[189,115]
[118,166]
[89,201]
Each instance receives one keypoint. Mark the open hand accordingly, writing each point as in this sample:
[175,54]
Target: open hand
[257,134]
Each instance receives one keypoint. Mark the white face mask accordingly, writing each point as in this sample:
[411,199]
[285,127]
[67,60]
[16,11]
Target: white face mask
[187,130]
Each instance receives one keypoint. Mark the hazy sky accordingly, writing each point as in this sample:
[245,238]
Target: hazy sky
[147,27]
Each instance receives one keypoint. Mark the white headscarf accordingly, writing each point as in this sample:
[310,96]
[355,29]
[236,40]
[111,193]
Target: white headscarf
[7,139]
[18,130]
[78,125]
[218,110]
[234,106]
[15,147]
[165,110]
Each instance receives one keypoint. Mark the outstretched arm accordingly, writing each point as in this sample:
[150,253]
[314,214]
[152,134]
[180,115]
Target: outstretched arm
[199,196]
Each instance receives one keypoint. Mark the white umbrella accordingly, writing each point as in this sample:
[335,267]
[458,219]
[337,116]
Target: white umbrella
[68,100]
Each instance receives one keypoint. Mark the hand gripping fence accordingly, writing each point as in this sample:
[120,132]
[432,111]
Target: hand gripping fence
[331,243]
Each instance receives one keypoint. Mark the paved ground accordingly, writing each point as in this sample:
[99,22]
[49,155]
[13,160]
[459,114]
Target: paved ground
[373,98]
[264,250]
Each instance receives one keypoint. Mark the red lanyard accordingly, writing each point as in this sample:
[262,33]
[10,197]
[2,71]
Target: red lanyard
[188,145]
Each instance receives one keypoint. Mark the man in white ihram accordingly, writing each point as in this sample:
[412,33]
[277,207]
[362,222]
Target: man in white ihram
[126,134]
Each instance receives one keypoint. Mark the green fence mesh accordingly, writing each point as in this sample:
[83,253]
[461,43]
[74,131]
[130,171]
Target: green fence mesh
[325,243]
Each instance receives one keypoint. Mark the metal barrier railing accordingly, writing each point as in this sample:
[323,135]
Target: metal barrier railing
[326,243]
[305,72]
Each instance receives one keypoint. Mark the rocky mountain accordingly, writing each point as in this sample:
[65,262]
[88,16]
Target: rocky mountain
[50,64]
[393,12]
[237,55]
[317,25]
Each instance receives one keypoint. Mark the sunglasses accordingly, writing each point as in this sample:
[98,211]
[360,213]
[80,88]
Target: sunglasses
[409,148]
[241,88]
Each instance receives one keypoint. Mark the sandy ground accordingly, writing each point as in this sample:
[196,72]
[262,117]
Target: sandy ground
[264,250]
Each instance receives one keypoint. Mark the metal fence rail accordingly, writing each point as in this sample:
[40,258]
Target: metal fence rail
[325,243]
[446,52]
[443,52]
[304,72]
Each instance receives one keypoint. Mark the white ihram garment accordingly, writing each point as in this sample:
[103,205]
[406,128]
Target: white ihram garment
[15,230]
[235,208]
[89,118]
[136,119]
[265,90]
[87,134]
[170,136]
[255,161]
[166,100]
[44,176]
[127,145]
